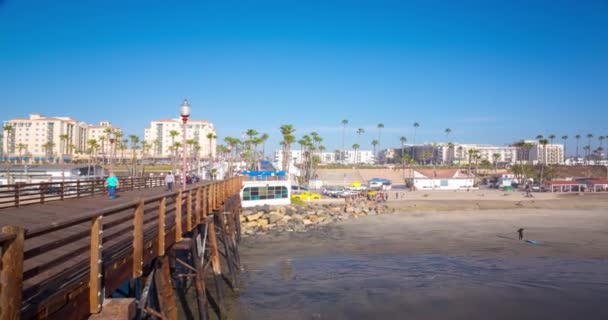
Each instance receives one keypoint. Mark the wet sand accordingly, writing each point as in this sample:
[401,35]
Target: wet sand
[439,259]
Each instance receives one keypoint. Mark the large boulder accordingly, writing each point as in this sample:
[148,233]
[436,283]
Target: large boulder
[255,216]
[273,217]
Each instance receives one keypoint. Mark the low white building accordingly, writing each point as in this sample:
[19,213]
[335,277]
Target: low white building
[442,179]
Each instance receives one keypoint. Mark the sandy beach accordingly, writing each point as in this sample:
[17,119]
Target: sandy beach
[442,256]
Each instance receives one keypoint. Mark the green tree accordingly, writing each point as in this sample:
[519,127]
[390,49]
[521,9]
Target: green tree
[20,148]
[565,138]
[416,126]
[543,142]
[374,145]
[589,137]
[578,138]
[344,124]
[263,138]
[10,136]
[601,138]
[356,147]
[63,139]
[287,130]
[134,140]
[380,126]
[551,138]
[495,158]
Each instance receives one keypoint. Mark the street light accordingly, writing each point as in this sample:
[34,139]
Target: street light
[185,113]
[112,138]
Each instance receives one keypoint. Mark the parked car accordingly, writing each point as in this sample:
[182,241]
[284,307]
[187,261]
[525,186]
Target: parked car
[357,186]
[306,195]
[349,193]
[380,184]
[299,188]
[333,191]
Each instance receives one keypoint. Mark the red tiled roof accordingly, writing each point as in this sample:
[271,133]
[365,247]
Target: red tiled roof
[563,183]
[597,181]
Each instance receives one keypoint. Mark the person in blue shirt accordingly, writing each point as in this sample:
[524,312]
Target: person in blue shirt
[112,184]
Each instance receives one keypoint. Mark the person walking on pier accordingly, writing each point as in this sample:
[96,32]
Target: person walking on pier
[169,180]
[112,184]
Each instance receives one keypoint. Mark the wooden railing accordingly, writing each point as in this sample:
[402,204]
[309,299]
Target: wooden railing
[16,195]
[77,262]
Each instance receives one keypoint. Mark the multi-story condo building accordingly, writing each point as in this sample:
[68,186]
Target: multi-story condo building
[162,134]
[451,154]
[550,153]
[101,133]
[360,157]
[44,138]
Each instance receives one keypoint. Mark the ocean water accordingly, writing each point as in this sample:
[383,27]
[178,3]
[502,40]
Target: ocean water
[424,287]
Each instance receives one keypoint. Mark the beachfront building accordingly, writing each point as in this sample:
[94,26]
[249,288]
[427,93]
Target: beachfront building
[553,153]
[442,179]
[163,134]
[41,138]
[457,153]
[360,157]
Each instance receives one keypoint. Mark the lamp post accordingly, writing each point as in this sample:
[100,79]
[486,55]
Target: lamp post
[112,138]
[185,113]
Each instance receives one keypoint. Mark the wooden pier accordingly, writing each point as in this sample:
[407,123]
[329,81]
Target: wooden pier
[70,259]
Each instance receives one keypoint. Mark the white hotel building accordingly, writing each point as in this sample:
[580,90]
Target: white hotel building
[158,135]
[40,138]
[362,157]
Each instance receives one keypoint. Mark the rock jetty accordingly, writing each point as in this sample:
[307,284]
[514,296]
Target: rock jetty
[300,218]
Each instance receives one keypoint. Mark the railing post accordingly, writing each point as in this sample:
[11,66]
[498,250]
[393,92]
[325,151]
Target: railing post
[178,217]
[96,265]
[138,239]
[62,189]
[11,274]
[17,187]
[93,183]
[189,211]
[197,206]
[78,188]
[161,226]
[43,188]
[132,185]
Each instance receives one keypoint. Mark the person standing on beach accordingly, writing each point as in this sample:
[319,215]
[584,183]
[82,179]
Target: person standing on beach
[112,184]
[169,180]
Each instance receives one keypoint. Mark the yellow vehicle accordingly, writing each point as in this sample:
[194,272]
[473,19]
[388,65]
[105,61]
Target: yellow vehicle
[306,195]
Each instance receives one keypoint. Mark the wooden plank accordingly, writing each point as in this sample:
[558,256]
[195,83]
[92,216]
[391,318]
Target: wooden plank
[189,211]
[178,217]
[11,274]
[197,206]
[164,289]
[161,226]
[138,240]
[122,308]
[95,265]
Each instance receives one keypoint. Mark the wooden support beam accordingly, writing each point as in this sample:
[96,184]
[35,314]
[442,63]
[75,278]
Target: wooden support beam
[199,280]
[116,308]
[197,206]
[178,217]
[162,209]
[11,274]
[138,239]
[164,289]
[96,265]
[189,211]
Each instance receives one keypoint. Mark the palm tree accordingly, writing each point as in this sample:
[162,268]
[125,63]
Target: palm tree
[355,148]
[544,143]
[49,148]
[374,144]
[403,140]
[210,136]
[590,136]
[601,138]
[92,143]
[578,138]
[134,144]
[20,148]
[173,134]
[251,133]
[232,147]
[287,130]
[447,134]
[263,138]
[63,138]
[344,123]
[157,146]
[359,132]
[495,158]
[565,138]
[380,126]
[145,148]
[551,137]
[9,137]
[416,126]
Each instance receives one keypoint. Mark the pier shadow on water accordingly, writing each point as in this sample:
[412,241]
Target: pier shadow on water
[424,287]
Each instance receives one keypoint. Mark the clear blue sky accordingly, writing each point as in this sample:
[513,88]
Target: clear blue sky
[493,71]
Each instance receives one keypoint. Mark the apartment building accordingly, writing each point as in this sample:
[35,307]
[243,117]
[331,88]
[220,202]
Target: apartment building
[44,137]
[450,154]
[550,153]
[159,136]
[351,157]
